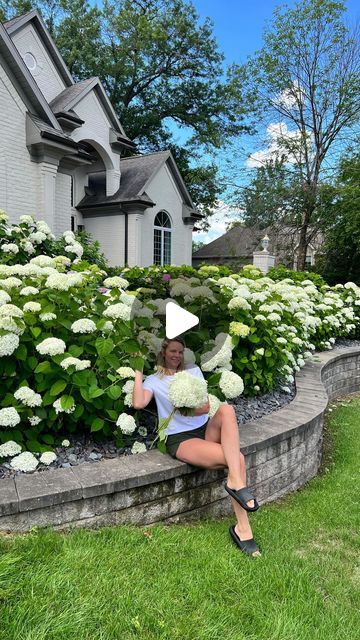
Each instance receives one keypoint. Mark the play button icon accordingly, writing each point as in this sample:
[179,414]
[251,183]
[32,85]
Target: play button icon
[178,320]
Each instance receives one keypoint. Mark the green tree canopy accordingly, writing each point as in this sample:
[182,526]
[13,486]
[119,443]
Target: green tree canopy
[305,80]
[341,259]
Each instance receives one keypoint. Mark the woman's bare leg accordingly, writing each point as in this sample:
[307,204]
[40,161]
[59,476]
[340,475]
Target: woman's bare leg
[220,449]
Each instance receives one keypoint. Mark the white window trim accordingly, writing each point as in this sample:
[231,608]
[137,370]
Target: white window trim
[162,239]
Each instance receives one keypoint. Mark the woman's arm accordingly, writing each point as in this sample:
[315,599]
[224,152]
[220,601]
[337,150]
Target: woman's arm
[141,397]
[203,409]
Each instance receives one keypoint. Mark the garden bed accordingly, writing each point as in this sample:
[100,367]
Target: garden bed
[282,452]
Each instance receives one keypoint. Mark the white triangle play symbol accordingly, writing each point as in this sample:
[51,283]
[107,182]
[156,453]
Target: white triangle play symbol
[178,320]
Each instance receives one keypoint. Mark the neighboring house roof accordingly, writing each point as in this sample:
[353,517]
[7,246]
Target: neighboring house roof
[241,242]
[136,174]
[12,26]
[237,242]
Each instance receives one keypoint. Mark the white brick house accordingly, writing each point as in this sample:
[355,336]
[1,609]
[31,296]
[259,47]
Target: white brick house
[60,158]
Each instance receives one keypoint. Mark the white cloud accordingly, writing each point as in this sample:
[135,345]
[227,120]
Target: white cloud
[223,214]
[281,141]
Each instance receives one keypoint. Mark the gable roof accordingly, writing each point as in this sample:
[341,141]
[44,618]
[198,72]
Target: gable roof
[14,25]
[70,97]
[22,79]
[136,174]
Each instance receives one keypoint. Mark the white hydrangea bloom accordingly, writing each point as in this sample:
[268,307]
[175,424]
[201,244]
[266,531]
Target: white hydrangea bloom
[142,431]
[260,352]
[84,325]
[26,219]
[34,420]
[47,316]
[186,390]
[28,397]
[9,449]
[215,403]
[231,384]
[144,312]
[200,292]
[4,298]
[76,248]
[180,289]
[32,307]
[129,386]
[126,423]
[29,291]
[126,372]
[116,281]
[118,311]
[42,226]
[11,311]
[9,417]
[65,443]
[129,300]
[43,261]
[10,248]
[80,365]
[238,303]
[108,326]
[138,447]
[58,408]
[51,346]
[25,461]
[27,247]
[227,281]
[37,237]
[274,317]
[48,457]
[8,344]
[281,340]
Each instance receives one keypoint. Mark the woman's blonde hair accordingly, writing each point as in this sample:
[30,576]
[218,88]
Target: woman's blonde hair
[160,360]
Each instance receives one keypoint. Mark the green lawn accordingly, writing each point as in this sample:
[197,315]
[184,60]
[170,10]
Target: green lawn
[190,582]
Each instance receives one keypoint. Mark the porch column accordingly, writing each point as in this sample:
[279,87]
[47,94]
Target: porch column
[46,192]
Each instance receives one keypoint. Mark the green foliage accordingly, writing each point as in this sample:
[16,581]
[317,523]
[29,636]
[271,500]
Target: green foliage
[340,260]
[281,272]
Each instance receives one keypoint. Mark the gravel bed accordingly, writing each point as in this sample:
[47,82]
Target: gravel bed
[84,450]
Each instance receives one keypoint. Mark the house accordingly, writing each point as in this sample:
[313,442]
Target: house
[236,247]
[61,148]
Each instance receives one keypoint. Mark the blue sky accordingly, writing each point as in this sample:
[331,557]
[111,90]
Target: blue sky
[238,27]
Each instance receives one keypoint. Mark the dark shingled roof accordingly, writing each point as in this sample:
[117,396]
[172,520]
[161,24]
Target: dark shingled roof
[237,242]
[65,97]
[46,128]
[135,173]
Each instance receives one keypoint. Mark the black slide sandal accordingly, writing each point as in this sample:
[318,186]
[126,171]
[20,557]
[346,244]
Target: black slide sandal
[249,547]
[242,497]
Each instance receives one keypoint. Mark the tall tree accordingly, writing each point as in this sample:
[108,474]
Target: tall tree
[306,80]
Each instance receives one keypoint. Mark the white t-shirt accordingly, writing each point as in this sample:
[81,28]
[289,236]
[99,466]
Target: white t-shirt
[160,388]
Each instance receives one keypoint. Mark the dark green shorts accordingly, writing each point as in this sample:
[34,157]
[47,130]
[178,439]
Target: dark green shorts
[176,439]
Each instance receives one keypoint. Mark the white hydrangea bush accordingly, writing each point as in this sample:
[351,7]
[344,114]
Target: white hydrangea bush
[67,339]
[72,334]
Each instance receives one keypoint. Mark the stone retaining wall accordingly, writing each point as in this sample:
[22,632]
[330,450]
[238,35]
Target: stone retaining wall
[282,451]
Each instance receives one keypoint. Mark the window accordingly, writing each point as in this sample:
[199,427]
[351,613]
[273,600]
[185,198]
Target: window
[81,227]
[72,223]
[162,239]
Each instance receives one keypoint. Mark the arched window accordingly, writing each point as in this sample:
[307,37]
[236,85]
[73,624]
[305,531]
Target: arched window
[162,239]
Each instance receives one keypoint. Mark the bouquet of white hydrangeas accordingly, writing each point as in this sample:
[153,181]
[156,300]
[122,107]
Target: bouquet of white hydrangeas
[187,393]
